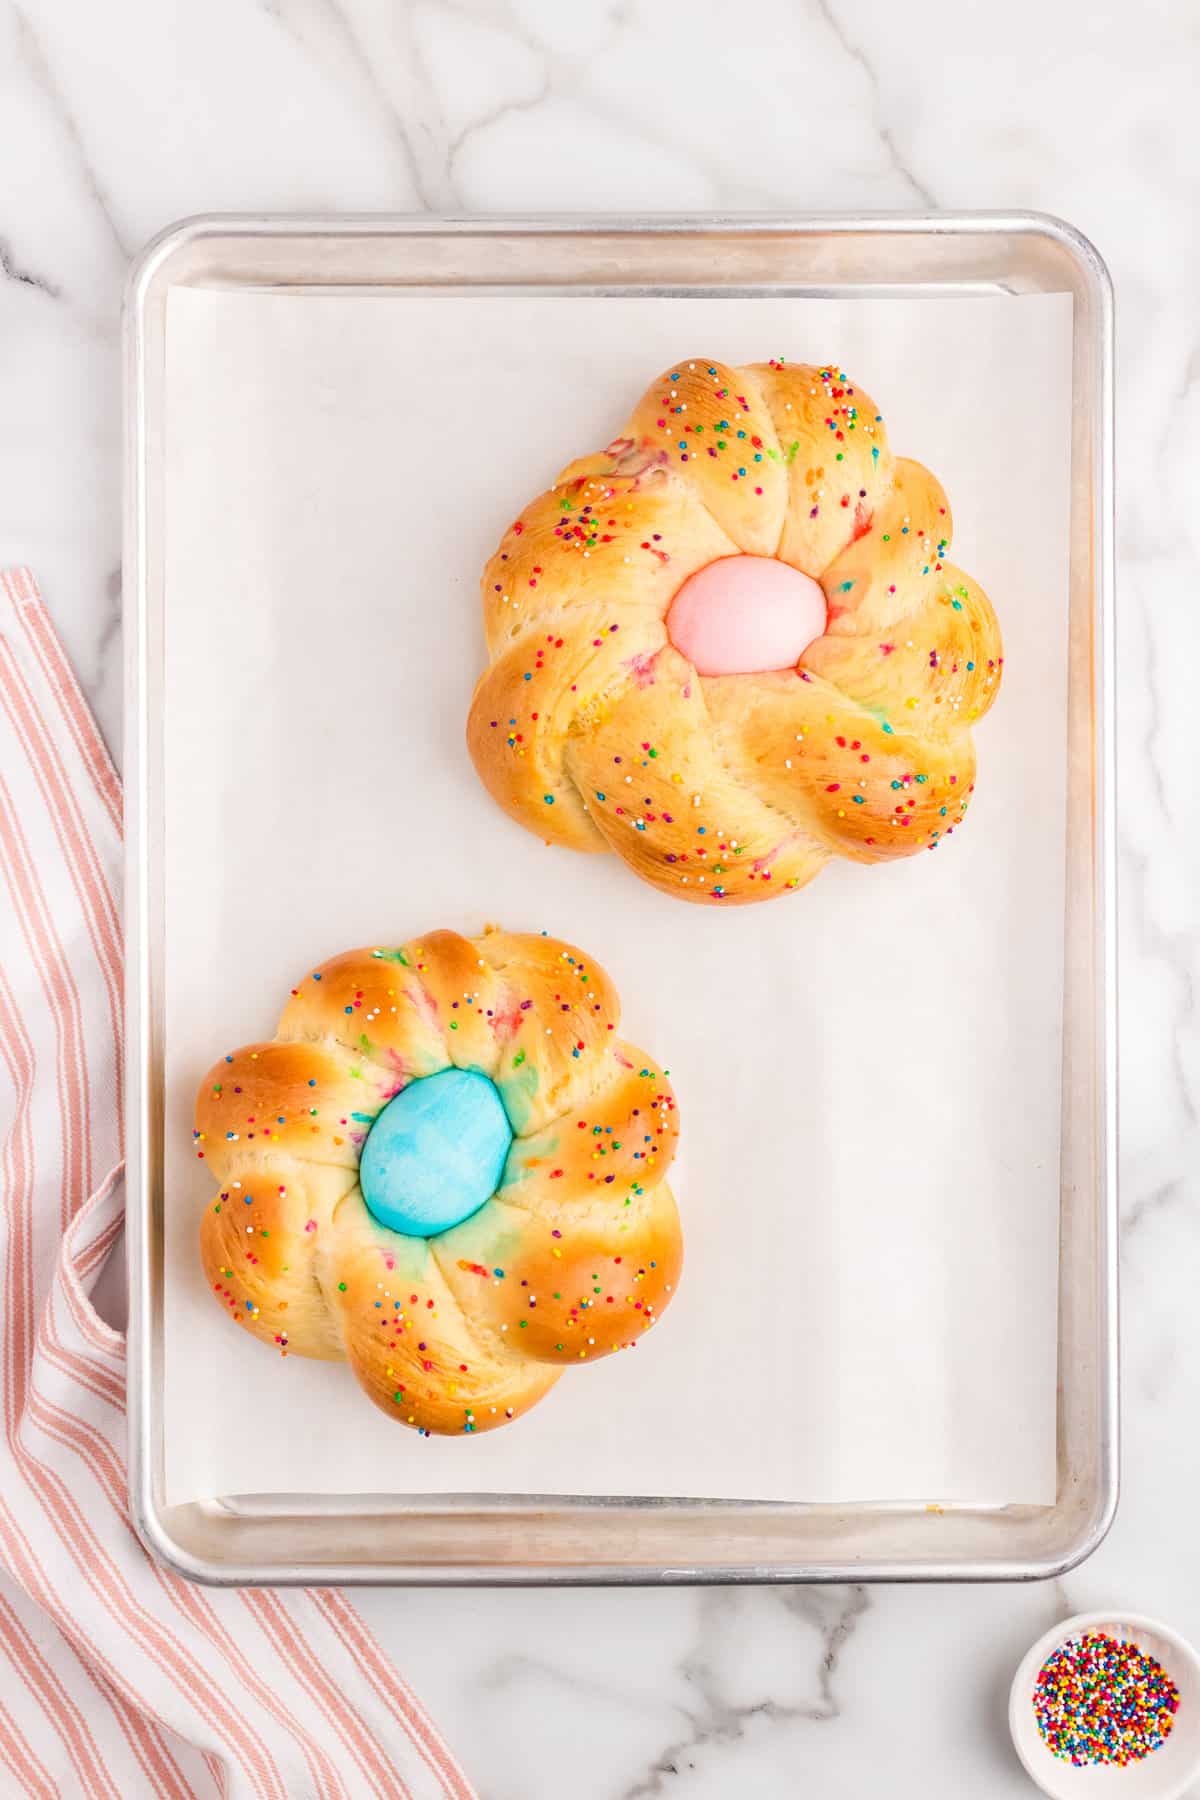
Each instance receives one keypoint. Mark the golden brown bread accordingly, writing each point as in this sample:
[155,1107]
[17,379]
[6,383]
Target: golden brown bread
[575,1255]
[591,729]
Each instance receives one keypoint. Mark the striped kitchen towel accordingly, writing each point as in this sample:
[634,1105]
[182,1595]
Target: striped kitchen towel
[117,1678]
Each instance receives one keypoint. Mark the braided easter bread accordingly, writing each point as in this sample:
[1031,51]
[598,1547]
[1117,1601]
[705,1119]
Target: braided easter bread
[447,1168]
[730,646]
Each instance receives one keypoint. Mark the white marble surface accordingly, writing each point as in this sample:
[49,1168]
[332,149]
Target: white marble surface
[116,119]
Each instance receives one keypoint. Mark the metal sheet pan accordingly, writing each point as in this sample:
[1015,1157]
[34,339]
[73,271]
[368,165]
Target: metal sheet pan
[465,1539]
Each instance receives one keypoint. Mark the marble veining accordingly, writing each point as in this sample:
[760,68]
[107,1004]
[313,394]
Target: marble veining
[718,1718]
[117,120]
[922,195]
[32,56]
[12,271]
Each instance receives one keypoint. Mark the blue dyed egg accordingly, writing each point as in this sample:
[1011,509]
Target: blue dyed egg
[435,1153]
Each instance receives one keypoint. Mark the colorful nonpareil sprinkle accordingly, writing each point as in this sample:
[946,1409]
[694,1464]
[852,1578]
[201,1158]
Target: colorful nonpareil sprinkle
[1100,1700]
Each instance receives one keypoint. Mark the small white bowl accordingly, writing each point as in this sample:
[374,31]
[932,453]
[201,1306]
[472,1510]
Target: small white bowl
[1163,1775]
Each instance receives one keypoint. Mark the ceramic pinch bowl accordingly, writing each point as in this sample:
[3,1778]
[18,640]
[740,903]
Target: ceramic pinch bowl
[1163,1774]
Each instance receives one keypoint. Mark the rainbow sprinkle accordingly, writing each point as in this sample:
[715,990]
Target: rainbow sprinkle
[1101,1700]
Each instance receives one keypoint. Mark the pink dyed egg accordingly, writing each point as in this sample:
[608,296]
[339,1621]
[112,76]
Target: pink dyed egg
[744,615]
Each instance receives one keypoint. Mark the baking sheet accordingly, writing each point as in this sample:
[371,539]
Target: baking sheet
[869,1072]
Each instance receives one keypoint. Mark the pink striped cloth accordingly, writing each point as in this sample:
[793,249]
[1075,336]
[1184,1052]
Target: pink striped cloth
[117,1678]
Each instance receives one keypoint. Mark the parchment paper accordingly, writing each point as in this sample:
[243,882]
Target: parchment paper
[868,1071]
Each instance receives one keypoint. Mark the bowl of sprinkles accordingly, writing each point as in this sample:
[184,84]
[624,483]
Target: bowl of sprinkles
[1110,1704]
